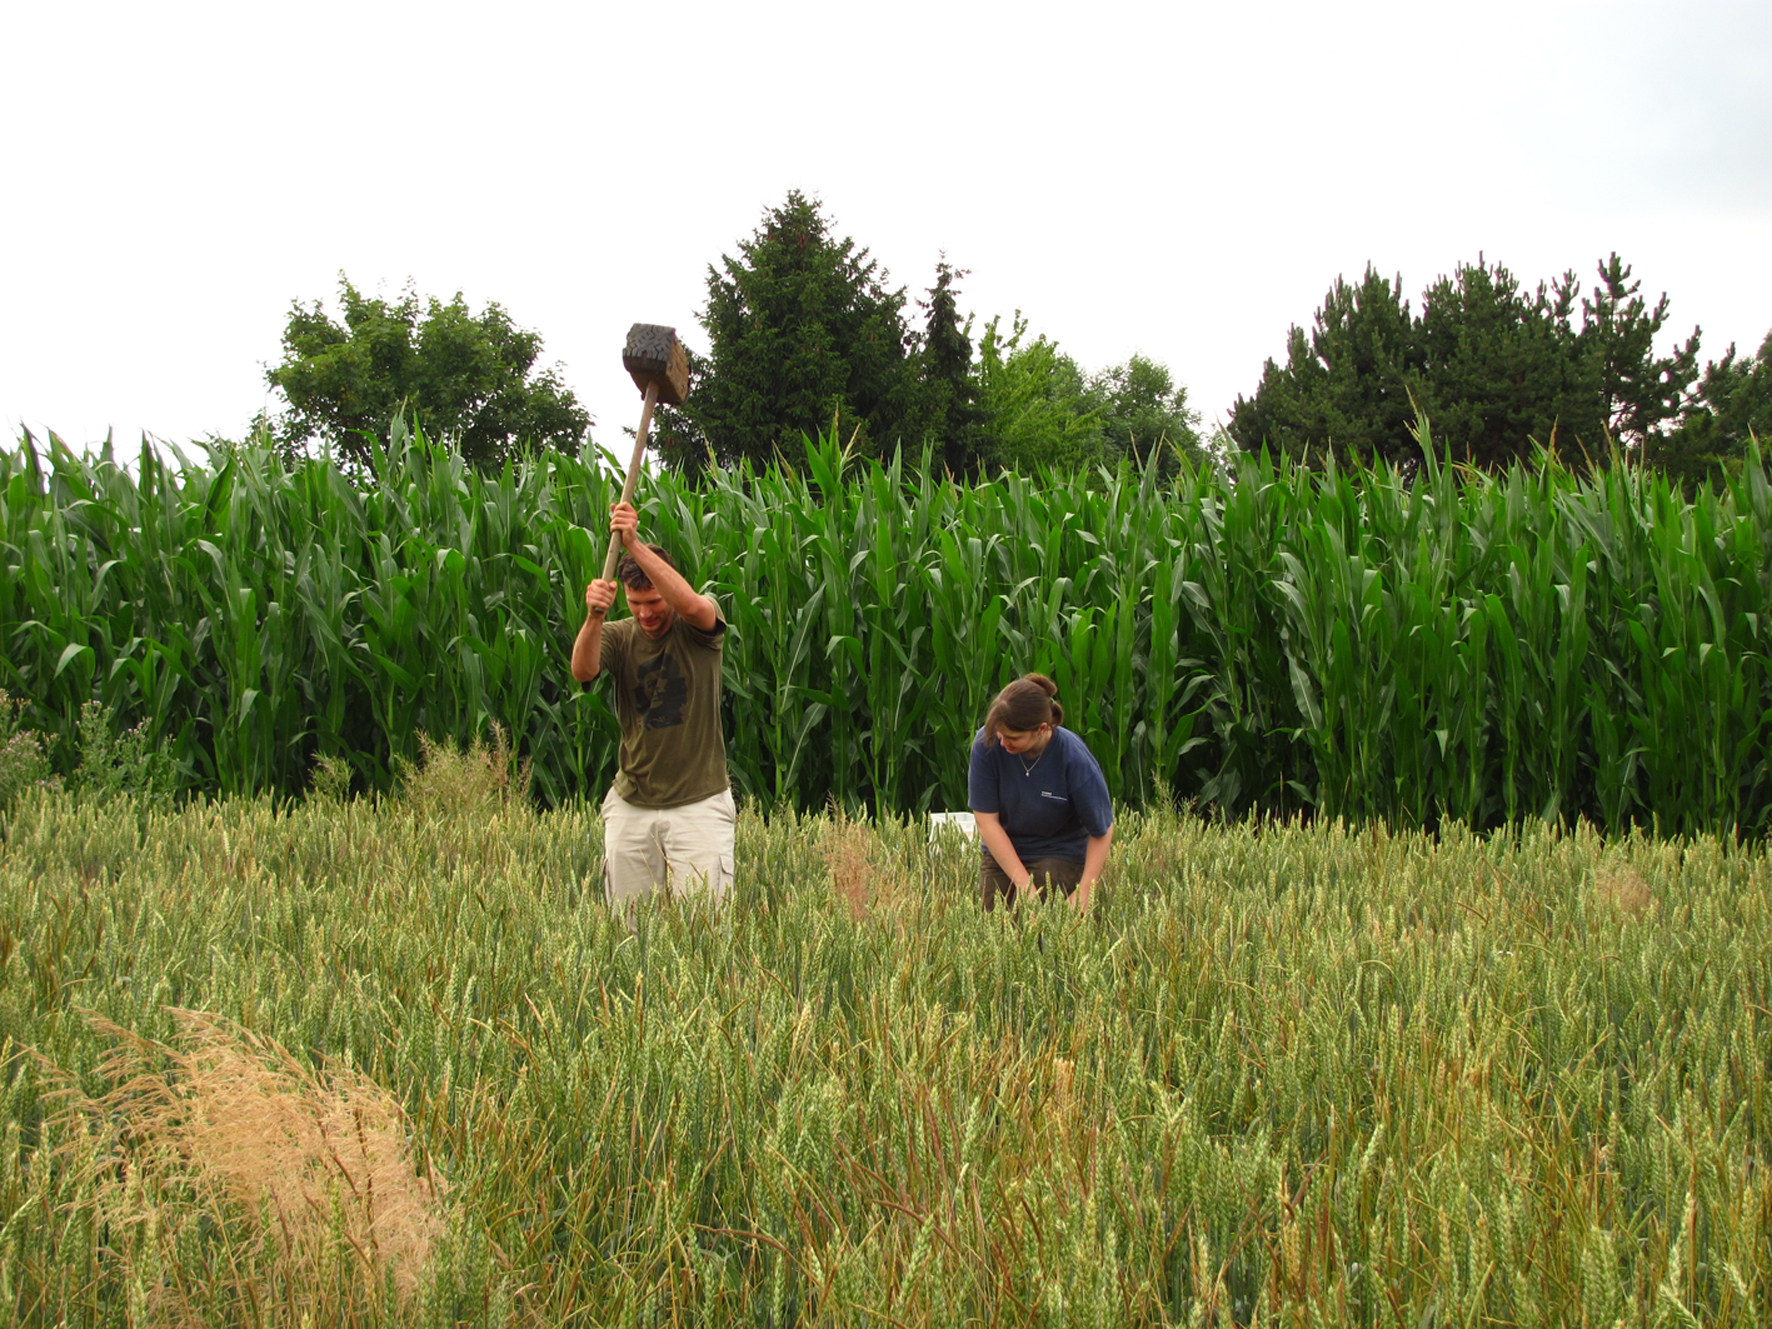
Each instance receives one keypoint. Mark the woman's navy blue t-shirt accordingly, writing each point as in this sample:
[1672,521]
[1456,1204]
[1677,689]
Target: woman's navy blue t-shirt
[1050,809]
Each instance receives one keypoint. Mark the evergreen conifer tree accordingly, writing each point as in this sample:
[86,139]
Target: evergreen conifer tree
[1731,406]
[1497,370]
[802,333]
[1346,385]
[1639,391]
[955,422]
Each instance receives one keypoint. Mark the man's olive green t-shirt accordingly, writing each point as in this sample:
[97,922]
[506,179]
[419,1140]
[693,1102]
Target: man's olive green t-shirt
[667,697]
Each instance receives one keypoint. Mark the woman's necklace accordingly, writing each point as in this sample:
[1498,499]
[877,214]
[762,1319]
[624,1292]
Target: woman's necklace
[1027,767]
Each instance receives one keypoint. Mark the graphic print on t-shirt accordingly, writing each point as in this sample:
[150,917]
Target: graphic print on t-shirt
[660,692]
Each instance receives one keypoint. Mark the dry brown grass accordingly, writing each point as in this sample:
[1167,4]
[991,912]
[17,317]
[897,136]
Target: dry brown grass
[849,849]
[1623,887]
[304,1171]
[862,875]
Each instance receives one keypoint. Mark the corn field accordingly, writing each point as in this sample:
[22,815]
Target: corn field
[391,1062]
[1449,648]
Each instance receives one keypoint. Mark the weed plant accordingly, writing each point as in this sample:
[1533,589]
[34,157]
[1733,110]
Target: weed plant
[390,1061]
[23,761]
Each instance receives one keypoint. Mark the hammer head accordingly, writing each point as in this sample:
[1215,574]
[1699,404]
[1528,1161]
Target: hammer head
[654,356]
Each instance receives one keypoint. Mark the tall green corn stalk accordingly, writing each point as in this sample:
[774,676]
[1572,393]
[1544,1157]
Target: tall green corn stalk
[1441,646]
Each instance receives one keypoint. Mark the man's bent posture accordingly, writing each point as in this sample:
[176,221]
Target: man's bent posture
[668,819]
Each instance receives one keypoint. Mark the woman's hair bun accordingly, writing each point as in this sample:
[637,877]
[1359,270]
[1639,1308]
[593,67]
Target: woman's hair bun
[1045,684]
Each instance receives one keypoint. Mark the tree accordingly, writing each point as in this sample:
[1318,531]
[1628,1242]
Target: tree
[1038,401]
[1346,385]
[465,377]
[1143,410]
[1041,409]
[954,421]
[1639,391]
[1495,367]
[676,437]
[802,332]
[1731,405]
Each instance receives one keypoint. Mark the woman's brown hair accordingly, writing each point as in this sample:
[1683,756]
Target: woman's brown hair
[1023,706]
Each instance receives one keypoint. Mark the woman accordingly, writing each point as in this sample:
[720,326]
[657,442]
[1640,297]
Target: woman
[1039,798]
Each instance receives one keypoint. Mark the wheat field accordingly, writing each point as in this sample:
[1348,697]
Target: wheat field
[392,1062]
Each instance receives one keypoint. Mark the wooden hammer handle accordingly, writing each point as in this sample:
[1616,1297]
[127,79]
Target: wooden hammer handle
[627,488]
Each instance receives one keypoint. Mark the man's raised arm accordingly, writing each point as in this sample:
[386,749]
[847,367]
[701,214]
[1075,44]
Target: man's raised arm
[697,610]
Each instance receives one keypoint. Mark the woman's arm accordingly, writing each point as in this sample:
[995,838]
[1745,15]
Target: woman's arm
[1094,860]
[996,839]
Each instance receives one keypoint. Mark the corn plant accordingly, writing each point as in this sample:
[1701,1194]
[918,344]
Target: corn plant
[1360,644]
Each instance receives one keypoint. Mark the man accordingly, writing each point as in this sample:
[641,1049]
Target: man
[668,819]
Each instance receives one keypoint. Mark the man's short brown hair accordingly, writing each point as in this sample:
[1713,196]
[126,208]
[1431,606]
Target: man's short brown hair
[634,576]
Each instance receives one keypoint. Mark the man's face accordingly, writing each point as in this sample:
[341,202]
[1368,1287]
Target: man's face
[650,608]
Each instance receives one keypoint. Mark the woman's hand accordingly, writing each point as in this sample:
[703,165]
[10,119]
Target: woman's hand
[996,839]
[1095,857]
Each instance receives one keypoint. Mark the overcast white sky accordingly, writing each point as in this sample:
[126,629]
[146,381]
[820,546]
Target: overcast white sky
[1182,180]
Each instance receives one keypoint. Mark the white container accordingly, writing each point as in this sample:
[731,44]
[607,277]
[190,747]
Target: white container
[963,824]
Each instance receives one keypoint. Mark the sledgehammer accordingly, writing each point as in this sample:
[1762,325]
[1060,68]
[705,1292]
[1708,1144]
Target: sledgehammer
[660,369]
